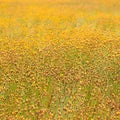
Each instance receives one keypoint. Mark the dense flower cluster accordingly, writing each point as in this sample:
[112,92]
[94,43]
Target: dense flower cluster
[59,60]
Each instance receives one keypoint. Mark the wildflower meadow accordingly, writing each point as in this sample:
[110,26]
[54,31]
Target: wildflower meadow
[59,59]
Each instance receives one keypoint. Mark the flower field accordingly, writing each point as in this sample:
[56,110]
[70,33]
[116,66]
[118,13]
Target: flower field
[59,60]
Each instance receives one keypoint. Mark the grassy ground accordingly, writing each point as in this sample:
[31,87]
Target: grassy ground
[60,60]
